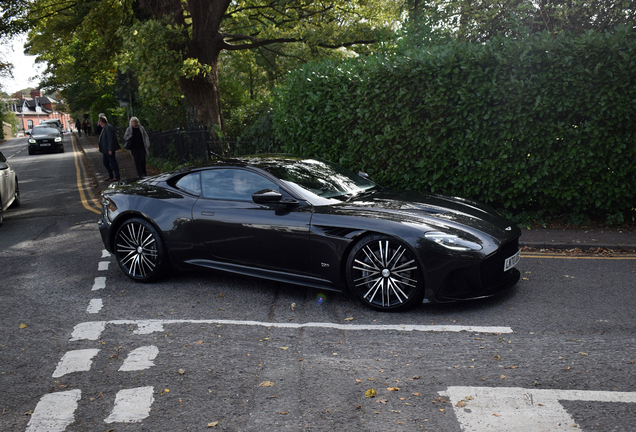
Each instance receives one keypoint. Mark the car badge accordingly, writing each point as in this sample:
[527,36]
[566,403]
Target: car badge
[509,228]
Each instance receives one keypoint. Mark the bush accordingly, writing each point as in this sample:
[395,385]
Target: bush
[540,124]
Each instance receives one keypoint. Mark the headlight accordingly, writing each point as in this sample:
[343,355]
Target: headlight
[58,139]
[451,241]
[32,141]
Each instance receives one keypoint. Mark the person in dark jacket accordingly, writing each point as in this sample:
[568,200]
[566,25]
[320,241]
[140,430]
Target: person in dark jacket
[98,127]
[140,144]
[108,145]
[78,126]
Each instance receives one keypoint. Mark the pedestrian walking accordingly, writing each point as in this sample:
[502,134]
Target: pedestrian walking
[108,145]
[139,145]
[85,126]
[78,126]
[98,128]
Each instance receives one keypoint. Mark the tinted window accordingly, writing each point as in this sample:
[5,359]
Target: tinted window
[190,183]
[234,184]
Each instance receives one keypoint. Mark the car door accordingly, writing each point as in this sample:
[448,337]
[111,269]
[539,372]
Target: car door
[6,178]
[235,229]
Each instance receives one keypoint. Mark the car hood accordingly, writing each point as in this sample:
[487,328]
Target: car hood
[45,135]
[434,211]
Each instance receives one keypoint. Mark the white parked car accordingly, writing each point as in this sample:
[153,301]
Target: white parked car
[9,191]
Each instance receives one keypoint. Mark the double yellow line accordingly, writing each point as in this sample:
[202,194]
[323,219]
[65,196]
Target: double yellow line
[83,181]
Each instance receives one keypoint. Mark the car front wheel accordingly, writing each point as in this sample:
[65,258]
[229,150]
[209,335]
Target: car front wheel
[139,250]
[384,274]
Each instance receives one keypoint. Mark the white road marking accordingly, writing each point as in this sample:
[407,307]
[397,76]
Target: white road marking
[54,412]
[75,361]
[100,283]
[513,409]
[106,254]
[131,405]
[103,265]
[95,306]
[92,330]
[140,359]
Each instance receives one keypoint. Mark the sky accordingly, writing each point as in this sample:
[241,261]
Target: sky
[25,70]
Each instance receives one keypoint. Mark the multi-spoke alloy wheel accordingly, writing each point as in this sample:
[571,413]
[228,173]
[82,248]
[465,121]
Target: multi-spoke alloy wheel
[384,274]
[139,250]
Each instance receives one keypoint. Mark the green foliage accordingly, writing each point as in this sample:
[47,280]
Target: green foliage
[540,123]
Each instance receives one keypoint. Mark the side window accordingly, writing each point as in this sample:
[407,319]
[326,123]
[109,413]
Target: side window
[190,183]
[233,184]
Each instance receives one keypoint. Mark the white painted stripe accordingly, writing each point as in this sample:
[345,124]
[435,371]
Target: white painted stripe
[512,409]
[106,254]
[54,412]
[90,330]
[75,361]
[131,405]
[140,359]
[100,283]
[95,306]
[103,265]
[149,326]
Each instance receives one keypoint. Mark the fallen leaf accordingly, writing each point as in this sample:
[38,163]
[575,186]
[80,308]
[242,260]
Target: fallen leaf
[358,381]
[23,326]
[199,343]
[369,393]
[284,348]
[266,384]
[496,415]
[213,424]
[460,404]
[393,389]
[283,412]
[349,319]
[293,306]
[583,354]
[382,401]
[181,371]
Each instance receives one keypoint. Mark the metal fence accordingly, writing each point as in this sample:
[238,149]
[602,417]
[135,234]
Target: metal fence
[197,145]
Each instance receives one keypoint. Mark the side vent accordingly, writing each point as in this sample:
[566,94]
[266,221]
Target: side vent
[336,231]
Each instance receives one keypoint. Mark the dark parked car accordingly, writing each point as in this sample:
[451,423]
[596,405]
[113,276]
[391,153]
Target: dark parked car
[46,138]
[9,190]
[310,222]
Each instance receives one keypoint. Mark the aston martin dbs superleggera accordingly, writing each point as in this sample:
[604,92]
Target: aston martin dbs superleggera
[310,222]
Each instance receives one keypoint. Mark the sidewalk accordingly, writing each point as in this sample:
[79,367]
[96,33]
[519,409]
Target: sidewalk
[540,238]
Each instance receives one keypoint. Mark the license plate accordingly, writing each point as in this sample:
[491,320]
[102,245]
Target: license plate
[512,261]
[45,145]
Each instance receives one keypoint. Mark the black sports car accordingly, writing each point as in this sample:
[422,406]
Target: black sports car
[46,137]
[310,222]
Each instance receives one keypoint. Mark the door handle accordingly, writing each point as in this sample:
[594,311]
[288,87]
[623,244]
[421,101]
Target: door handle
[207,213]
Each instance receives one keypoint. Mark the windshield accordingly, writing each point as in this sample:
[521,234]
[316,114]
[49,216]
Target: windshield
[45,130]
[321,178]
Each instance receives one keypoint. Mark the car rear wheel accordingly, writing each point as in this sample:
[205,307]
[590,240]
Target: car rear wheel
[384,274]
[139,250]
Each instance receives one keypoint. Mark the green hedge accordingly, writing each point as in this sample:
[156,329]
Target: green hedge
[544,123]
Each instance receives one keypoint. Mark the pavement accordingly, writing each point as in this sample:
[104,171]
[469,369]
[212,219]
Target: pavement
[619,238]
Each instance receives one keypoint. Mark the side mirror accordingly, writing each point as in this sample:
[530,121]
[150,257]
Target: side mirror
[364,175]
[3,166]
[267,196]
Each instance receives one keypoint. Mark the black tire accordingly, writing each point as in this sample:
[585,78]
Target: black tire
[16,200]
[139,250]
[385,274]
[31,152]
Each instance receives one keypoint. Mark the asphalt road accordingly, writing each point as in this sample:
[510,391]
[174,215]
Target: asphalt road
[83,348]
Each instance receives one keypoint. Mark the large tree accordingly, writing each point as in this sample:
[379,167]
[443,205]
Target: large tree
[275,29]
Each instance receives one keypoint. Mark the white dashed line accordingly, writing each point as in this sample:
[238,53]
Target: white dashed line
[131,405]
[95,306]
[54,412]
[75,361]
[100,283]
[140,359]
[103,265]
[106,254]
[91,330]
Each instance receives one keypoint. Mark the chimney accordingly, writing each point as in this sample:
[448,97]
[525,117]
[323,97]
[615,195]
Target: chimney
[18,95]
[36,93]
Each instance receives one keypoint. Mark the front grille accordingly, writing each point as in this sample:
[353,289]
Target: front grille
[492,273]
